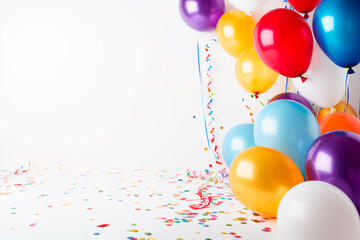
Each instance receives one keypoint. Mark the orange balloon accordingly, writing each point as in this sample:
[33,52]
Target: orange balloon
[260,176]
[340,121]
[340,107]
[235,32]
[252,74]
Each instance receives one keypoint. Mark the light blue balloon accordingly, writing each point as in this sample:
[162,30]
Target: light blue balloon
[288,127]
[336,28]
[237,140]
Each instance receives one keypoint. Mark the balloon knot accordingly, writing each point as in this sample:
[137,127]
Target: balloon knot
[303,79]
[306,16]
[350,71]
[256,95]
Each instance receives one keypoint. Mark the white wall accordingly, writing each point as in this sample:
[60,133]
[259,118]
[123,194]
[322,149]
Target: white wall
[108,83]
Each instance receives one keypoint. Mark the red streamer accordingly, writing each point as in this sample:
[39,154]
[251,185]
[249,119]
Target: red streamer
[204,199]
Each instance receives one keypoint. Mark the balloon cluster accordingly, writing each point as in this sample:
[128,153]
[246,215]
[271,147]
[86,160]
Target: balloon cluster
[281,42]
[270,159]
[289,143]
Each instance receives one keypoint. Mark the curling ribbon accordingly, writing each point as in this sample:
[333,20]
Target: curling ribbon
[207,175]
[347,95]
[211,139]
[205,200]
[210,111]
[202,98]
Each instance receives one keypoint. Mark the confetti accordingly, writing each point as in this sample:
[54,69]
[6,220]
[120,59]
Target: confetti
[137,204]
[103,225]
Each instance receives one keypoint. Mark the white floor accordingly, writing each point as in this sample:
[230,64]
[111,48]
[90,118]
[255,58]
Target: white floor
[54,204]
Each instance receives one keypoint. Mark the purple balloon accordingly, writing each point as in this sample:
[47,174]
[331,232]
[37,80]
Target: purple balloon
[335,158]
[294,97]
[202,15]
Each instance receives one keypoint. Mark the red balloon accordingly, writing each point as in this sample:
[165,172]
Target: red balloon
[284,42]
[304,6]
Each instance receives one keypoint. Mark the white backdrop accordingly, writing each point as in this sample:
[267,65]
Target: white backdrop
[110,84]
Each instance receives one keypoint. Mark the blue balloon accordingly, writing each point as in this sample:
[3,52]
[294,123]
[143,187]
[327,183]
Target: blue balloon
[336,28]
[288,127]
[237,140]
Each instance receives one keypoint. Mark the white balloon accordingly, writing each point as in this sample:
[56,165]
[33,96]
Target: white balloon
[248,5]
[325,84]
[316,210]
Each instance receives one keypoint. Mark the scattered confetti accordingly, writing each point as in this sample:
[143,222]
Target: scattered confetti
[136,204]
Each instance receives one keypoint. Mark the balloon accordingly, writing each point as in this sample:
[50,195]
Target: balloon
[284,42]
[259,177]
[248,5]
[304,6]
[237,140]
[234,31]
[252,74]
[325,80]
[289,127]
[340,121]
[340,107]
[334,158]
[294,97]
[201,15]
[317,211]
[335,27]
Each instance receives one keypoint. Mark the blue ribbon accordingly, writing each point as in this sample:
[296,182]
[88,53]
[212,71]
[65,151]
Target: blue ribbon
[347,90]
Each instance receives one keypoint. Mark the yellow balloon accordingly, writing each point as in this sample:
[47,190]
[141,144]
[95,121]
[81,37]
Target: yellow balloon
[235,32]
[260,176]
[340,107]
[252,74]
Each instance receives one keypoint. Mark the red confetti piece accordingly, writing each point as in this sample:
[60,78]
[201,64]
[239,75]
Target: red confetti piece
[103,225]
